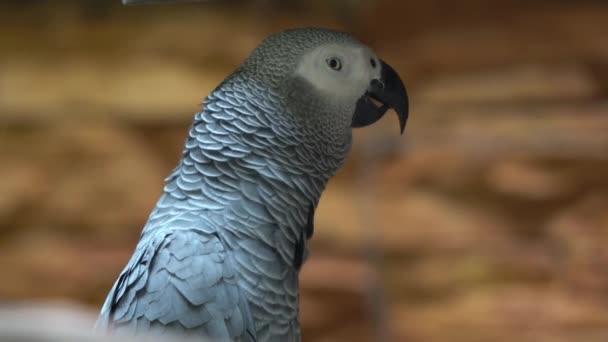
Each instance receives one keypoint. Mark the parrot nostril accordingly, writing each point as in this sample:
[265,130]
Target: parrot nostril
[377,84]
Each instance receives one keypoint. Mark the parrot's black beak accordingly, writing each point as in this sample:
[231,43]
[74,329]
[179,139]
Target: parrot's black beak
[390,92]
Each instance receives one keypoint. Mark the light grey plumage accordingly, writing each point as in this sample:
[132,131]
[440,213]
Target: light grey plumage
[220,253]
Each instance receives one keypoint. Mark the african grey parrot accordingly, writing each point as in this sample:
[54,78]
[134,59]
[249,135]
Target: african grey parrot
[220,254]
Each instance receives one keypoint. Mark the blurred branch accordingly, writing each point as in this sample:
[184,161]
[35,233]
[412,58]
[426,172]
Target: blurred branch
[142,2]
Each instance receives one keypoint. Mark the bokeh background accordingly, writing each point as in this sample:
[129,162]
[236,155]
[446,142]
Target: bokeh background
[487,221]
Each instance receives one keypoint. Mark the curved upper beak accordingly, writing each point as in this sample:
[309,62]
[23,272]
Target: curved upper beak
[390,92]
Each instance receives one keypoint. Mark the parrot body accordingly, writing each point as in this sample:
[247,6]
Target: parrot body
[220,254]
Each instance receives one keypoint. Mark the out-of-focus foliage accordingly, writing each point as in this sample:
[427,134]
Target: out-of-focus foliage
[489,218]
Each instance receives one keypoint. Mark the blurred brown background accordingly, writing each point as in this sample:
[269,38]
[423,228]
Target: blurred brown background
[487,221]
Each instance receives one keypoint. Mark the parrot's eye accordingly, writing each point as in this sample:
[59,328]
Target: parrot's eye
[334,63]
[372,62]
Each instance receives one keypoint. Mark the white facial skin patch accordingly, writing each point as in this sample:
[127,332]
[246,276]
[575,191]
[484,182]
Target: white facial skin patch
[353,77]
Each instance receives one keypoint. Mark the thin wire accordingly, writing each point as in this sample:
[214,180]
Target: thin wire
[376,300]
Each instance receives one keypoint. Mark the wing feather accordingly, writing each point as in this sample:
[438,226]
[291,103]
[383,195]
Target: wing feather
[180,280]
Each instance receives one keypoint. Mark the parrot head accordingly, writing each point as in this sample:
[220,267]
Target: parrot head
[330,75]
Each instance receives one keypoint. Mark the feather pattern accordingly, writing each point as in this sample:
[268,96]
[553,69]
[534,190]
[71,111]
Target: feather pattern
[221,252]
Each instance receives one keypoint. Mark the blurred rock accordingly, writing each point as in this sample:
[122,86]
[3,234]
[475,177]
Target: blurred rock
[528,181]
[518,84]
[506,314]
[80,173]
[440,37]
[579,234]
[140,90]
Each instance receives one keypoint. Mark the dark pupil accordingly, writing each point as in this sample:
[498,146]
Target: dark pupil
[333,63]
[373,62]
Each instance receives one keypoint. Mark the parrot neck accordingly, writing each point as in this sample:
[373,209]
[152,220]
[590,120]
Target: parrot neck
[262,217]
[269,205]
[251,169]
[253,180]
